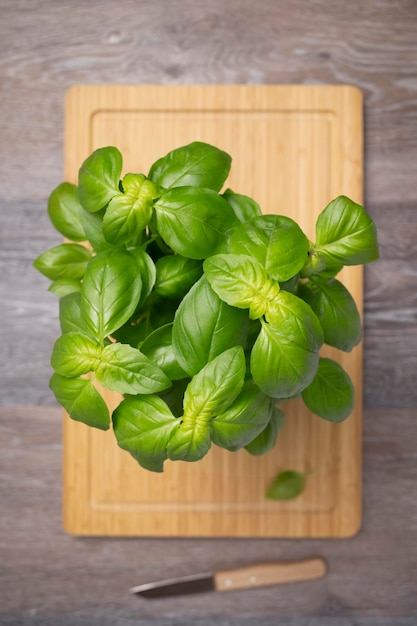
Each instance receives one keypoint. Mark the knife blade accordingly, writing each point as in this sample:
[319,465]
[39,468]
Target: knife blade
[257,575]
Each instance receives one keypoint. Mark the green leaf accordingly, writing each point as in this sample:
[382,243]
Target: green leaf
[81,400]
[64,286]
[75,354]
[243,420]
[147,272]
[128,371]
[70,314]
[346,234]
[158,347]
[68,260]
[196,164]
[175,275]
[276,241]
[337,312]
[194,222]
[110,292]
[143,426]
[286,486]
[285,355]
[267,439]
[98,178]
[210,392]
[130,212]
[244,208]
[64,210]
[241,281]
[93,227]
[204,327]
[331,393]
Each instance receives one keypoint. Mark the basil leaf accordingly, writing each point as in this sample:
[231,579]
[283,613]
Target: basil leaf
[75,354]
[276,241]
[64,210]
[285,355]
[194,222]
[158,347]
[175,275]
[126,370]
[81,400]
[68,260]
[98,178]
[244,208]
[286,486]
[267,439]
[110,292]
[174,396]
[93,227]
[143,426]
[337,312]
[196,164]
[346,234]
[70,314]
[130,212]
[204,327]
[243,420]
[64,286]
[147,272]
[331,393]
[210,392]
[241,281]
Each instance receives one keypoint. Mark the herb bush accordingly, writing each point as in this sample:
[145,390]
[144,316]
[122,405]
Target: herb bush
[200,311]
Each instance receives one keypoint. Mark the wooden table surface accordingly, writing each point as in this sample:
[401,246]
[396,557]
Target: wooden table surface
[46,46]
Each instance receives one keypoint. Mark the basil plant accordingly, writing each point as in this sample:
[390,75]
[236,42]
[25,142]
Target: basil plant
[203,313]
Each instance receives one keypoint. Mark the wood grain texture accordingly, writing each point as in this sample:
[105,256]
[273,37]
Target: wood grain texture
[308,140]
[46,574]
[47,46]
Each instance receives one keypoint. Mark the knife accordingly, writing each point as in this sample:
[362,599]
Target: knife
[258,575]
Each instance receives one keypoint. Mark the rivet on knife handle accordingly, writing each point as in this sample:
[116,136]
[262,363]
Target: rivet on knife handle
[269,574]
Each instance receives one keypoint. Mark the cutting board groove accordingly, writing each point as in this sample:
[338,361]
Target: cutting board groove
[294,148]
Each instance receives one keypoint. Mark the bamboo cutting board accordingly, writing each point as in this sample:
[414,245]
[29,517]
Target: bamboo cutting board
[294,149]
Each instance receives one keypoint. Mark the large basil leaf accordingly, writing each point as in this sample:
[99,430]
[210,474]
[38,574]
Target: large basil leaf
[243,420]
[346,234]
[267,439]
[210,392]
[110,292]
[194,222]
[241,281]
[175,275]
[204,327]
[331,393]
[158,347]
[75,354]
[285,355]
[126,370]
[129,213]
[337,312]
[196,164]
[98,178]
[143,427]
[244,208]
[81,400]
[68,260]
[65,210]
[275,241]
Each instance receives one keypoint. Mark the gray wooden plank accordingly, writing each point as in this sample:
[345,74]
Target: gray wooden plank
[44,572]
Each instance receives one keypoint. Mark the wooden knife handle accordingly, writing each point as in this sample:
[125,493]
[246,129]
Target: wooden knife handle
[269,574]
